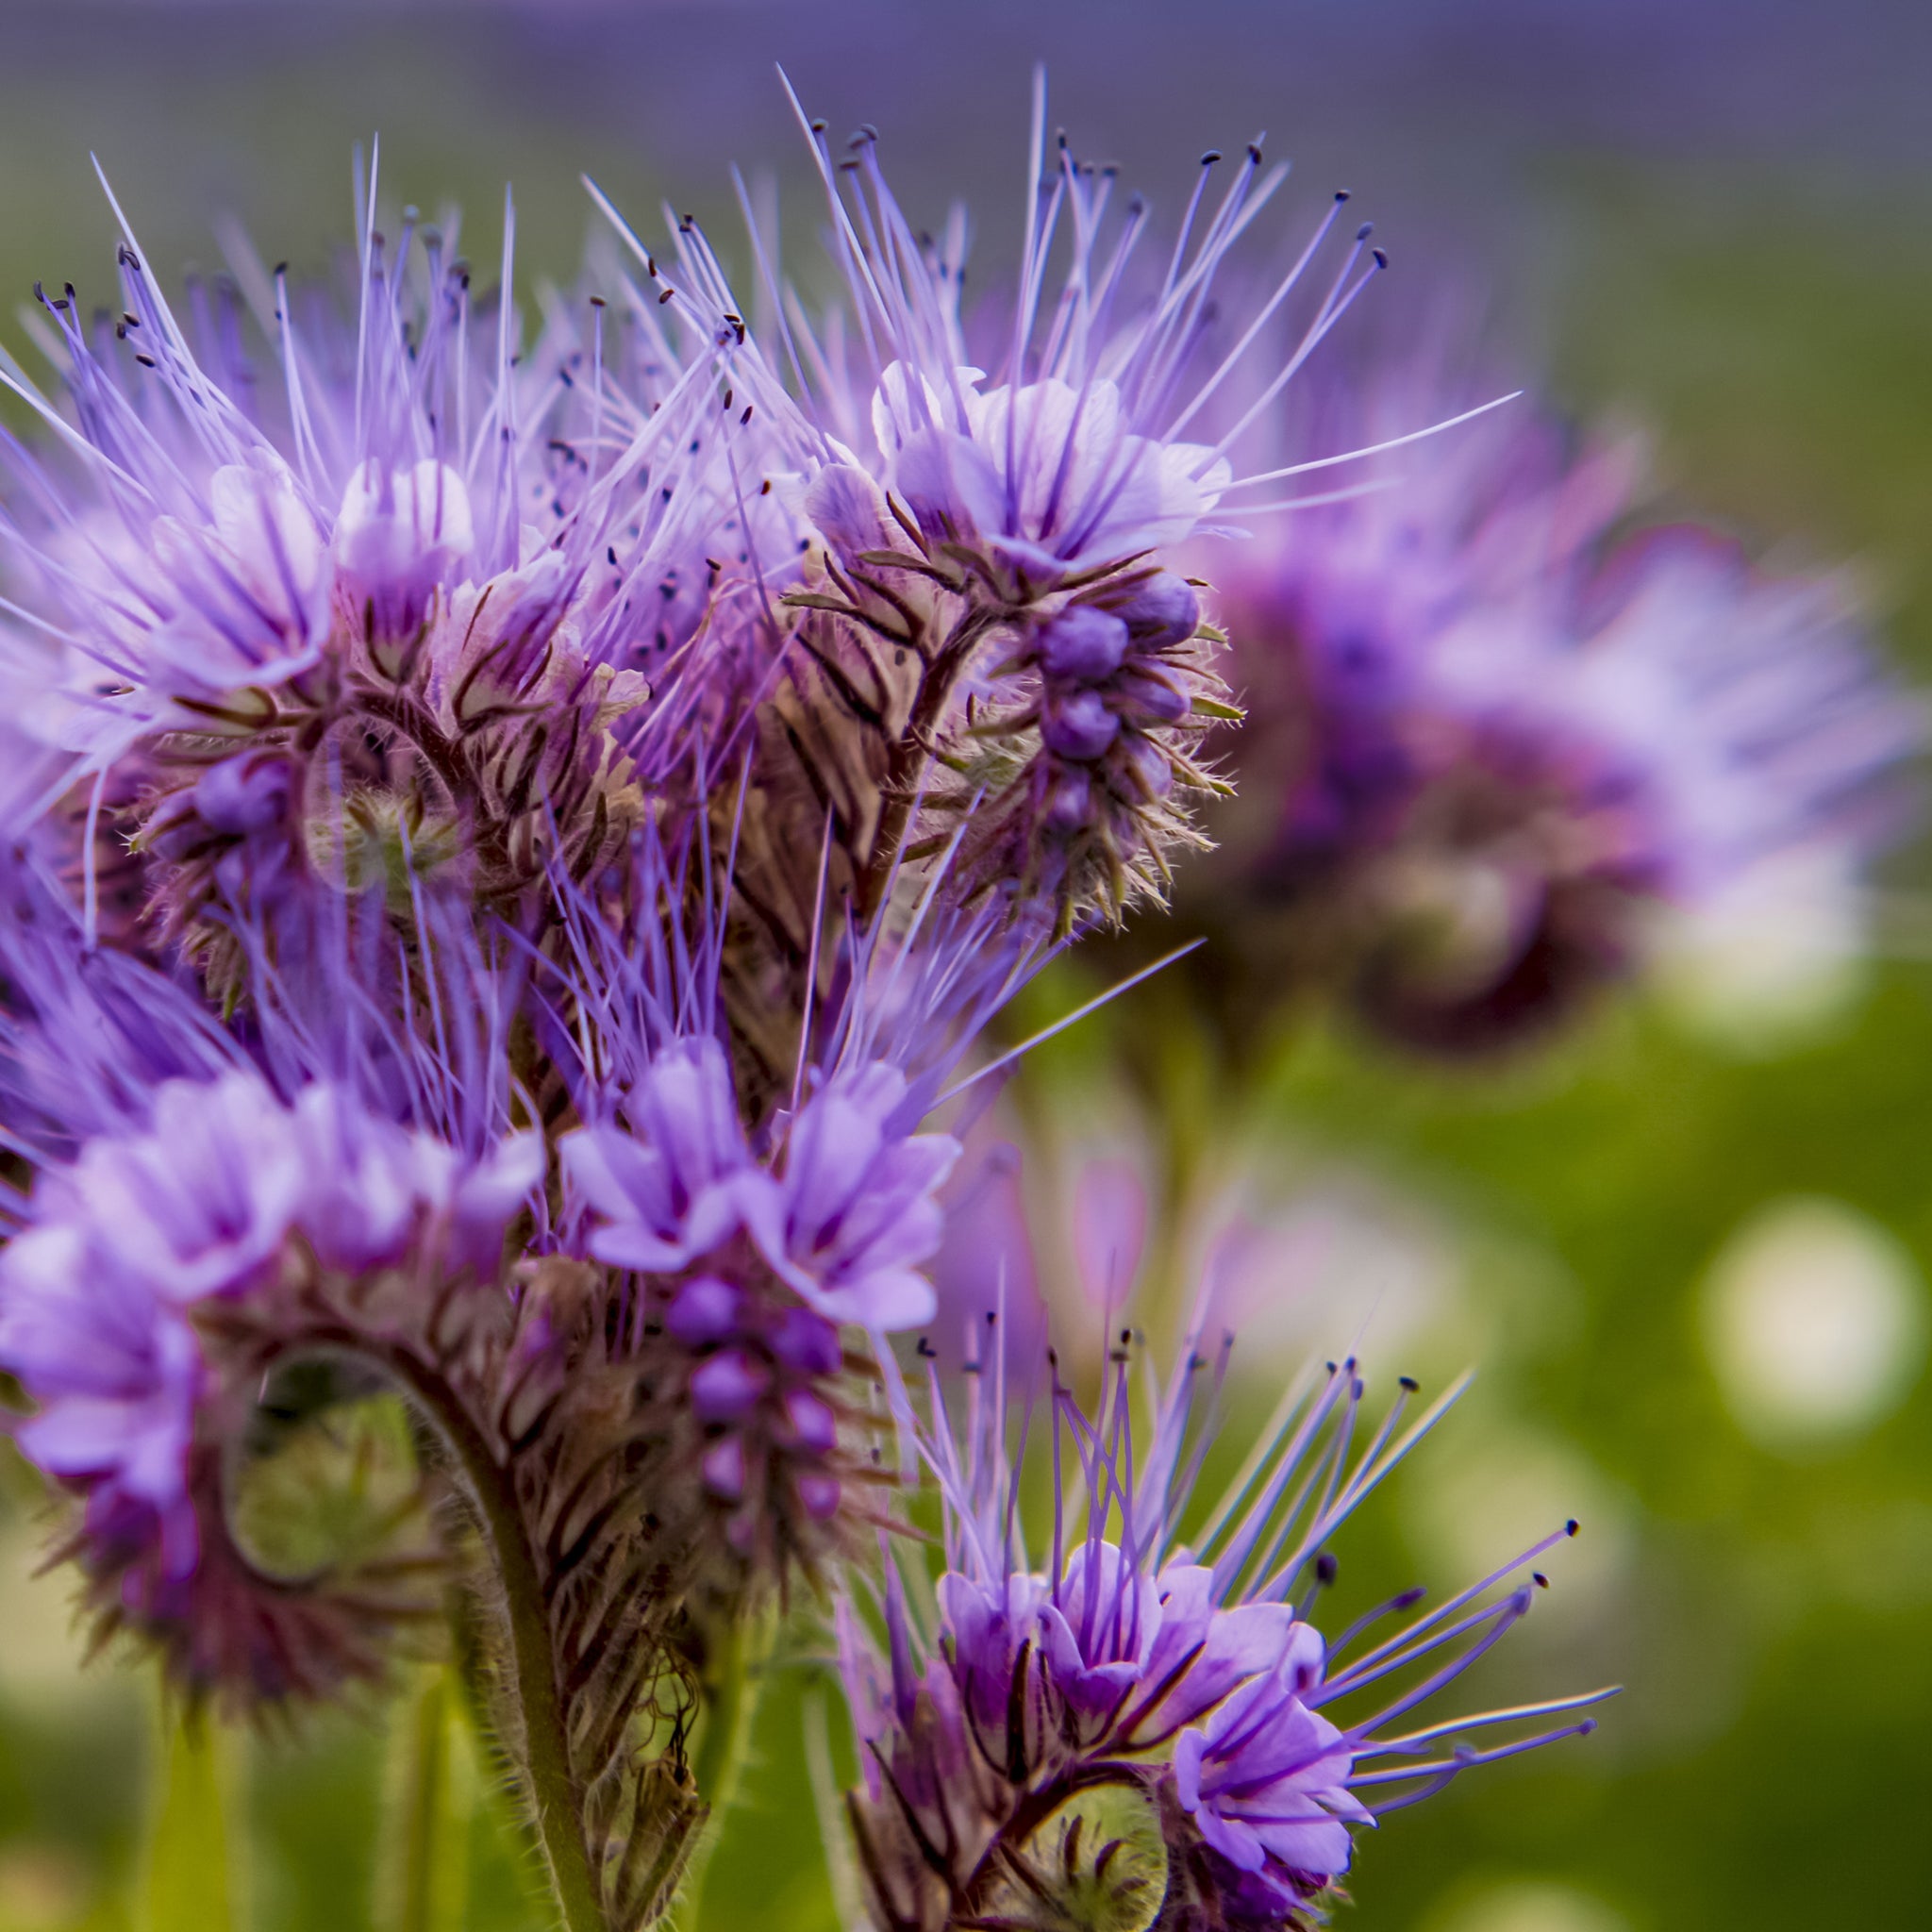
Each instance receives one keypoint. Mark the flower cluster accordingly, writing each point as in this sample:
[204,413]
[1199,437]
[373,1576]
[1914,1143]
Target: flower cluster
[514,848]
[1150,1726]
[511,843]
[1500,733]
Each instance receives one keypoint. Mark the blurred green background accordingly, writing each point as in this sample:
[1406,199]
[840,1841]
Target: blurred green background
[1716,221]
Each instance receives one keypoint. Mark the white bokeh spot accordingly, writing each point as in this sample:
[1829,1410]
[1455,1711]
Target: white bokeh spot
[1529,1907]
[1815,1320]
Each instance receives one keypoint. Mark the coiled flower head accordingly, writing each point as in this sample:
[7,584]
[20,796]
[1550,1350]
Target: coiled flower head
[1144,1729]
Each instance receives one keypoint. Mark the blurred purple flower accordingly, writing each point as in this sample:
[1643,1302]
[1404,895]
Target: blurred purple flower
[1511,733]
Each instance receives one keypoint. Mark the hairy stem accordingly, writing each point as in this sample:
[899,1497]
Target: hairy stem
[541,1749]
[913,747]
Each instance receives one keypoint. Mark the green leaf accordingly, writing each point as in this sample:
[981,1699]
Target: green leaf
[423,1867]
[187,1884]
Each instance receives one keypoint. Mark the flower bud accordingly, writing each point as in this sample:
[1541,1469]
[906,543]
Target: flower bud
[724,1469]
[706,1311]
[1154,698]
[1163,610]
[728,1385]
[1069,802]
[1083,644]
[243,794]
[1079,727]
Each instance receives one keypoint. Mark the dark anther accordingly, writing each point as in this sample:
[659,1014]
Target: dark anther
[746,417]
[1326,1568]
[1208,159]
[1570,1527]
[1409,1383]
[666,297]
[1536,1577]
[1381,255]
[597,302]
[927,1352]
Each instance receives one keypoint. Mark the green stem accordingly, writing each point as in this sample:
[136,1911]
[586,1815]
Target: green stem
[734,1682]
[544,1755]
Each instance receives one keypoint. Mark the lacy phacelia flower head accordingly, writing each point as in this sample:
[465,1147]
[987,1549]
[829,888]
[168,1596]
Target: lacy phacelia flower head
[1513,739]
[985,597]
[368,632]
[204,1209]
[1144,1725]
[751,1224]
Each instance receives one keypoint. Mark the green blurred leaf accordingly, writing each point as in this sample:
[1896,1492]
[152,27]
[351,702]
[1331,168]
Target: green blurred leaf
[424,1868]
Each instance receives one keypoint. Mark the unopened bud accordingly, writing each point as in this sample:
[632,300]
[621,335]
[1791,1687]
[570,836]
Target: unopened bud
[1079,726]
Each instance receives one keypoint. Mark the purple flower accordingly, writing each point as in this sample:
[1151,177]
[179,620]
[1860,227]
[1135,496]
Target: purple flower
[251,586]
[115,1371]
[398,535]
[857,1207]
[200,1202]
[1266,1782]
[1050,478]
[1193,1680]
[674,1181]
[1098,1629]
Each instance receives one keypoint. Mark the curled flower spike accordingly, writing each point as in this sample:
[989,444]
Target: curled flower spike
[970,497]
[1148,1728]
[765,1238]
[202,1218]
